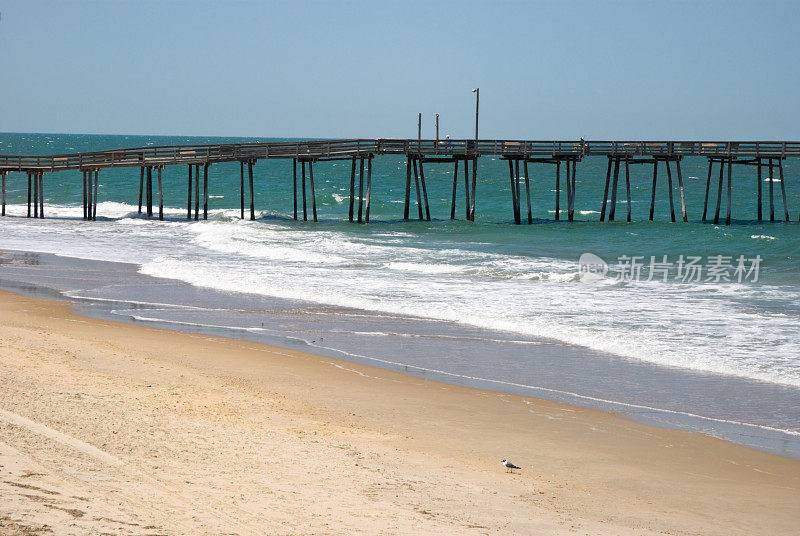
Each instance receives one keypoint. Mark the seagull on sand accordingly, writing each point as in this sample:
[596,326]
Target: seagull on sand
[510,466]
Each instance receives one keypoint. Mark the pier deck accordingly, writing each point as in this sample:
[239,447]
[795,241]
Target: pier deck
[767,155]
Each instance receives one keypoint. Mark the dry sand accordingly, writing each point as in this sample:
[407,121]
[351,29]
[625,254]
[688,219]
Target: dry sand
[110,428]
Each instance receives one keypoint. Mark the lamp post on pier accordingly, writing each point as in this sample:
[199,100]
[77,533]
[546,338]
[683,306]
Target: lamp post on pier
[477,92]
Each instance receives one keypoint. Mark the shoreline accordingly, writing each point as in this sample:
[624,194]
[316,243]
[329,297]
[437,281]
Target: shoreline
[117,291]
[201,421]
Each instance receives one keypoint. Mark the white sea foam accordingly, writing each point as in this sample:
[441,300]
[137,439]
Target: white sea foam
[389,272]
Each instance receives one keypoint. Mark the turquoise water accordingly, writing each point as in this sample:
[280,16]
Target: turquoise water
[490,274]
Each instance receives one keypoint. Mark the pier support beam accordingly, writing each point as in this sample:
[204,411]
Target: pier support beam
[252,198]
[160,196]
[352,189]
[149,195]
[141,187]
[205,190]
[41,194]
[3,177]
[189,195]
[196,192]
[313,190]
[361,188]
[294,184]
[94,197]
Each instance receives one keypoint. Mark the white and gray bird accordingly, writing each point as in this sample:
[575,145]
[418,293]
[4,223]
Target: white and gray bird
[510,466]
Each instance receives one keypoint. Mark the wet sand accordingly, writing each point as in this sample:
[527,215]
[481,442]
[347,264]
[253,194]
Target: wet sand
[123,429]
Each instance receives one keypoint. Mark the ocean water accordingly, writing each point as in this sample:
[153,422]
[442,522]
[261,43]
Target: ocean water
[737,320]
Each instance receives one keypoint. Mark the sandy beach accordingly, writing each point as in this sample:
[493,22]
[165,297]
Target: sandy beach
[110,428]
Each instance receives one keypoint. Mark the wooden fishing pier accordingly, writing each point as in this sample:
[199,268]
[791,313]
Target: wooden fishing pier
[764,155]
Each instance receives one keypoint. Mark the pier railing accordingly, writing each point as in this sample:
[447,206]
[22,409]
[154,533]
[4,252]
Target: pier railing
[355,148]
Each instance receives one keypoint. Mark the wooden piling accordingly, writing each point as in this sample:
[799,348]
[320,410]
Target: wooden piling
[567,173]
[474,187]
[29,194]
[3,176]
[615,181]
[149,193]
[94,200]
[528,193]
[189,195]
[771,191]
[205,191]
[730,191]
[669,187]
[303,188]
[313,190]
[513,189]
[708,186]
[41,195]
[241,189]
[419,193]
[85,205]
[35,194]
[407,205]
[680,187]
[141,187]
[352,188]
[369,188]
[783,189]
[160,196]
[719,190]
[558,190]
[605,191]
[758,188]
[455,184]
[466,189]
[572,199]
[517,190]
[294,185]
[628,188]
[424,190]
[90,188]
[252,198]
[361,189]
[196,192]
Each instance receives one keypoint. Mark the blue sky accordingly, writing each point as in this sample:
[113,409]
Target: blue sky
[617,69]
